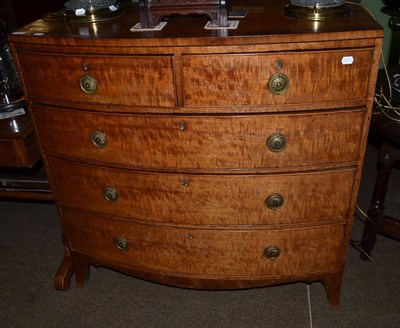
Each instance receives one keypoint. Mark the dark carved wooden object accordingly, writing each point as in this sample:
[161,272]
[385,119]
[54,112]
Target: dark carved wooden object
[152,11]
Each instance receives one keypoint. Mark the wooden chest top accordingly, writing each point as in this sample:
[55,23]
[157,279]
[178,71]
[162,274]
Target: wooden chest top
[262,24]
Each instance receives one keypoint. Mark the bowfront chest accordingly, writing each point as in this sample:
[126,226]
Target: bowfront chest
[209,159]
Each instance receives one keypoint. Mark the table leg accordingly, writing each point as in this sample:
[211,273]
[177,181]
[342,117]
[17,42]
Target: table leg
[386,161]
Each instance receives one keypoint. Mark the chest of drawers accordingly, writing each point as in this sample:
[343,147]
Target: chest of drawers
[204,159]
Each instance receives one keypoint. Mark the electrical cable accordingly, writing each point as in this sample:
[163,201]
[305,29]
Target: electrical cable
[357,243]
[383,107]
[309,306]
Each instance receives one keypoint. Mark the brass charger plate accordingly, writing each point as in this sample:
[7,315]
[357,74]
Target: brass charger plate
[92,15]
[314,13]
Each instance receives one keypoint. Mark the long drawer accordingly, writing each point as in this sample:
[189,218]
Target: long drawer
[204,199]
[202,142]
[202,252]
[296,77]
[107,80]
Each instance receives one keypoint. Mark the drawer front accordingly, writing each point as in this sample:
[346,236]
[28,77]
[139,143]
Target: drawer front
[204,199]
[118,80]
[204,252]
[243,79]
[202,142]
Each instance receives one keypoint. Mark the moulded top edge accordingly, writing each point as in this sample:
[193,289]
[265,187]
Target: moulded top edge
[264,23]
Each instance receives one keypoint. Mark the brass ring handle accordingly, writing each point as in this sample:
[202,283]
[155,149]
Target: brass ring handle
[88,84]
[111,194]
[121,243]
[272,252]
[278,84]
[276,142]
[99,138]
[274,201]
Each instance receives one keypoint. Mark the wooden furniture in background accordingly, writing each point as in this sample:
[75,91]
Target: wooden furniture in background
[388,132]
[210,159]
[21,176]
[18,147]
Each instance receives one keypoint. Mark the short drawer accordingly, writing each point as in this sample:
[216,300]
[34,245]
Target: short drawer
[204,199]
[203,252]
[260,79]
[202,142]
[103,80]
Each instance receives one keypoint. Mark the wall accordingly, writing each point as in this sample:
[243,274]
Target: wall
[375,6]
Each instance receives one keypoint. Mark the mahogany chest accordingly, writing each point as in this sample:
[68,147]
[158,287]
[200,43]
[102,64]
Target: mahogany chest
[209,159]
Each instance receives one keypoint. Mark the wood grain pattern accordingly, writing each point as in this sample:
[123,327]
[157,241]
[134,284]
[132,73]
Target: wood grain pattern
[190,199]
[186,115]
[215,80]
[206,142]
[121,80]
[264,24]
[207,252]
